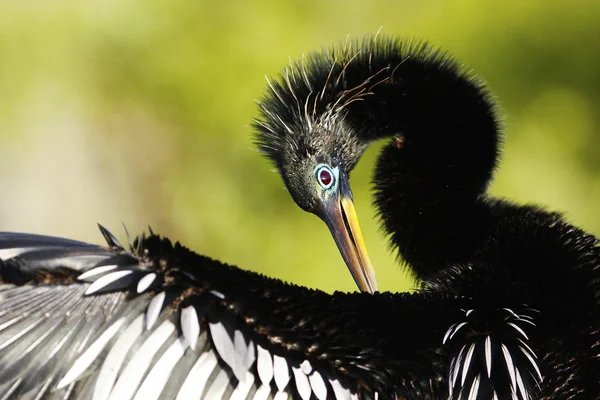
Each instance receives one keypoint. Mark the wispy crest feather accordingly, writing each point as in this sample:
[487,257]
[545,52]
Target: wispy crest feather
[316,90]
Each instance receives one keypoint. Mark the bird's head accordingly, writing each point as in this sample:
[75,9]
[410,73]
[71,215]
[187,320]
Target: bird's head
[321,113]
[314,149]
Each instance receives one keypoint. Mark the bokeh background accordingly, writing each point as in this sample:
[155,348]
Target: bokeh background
[139,112]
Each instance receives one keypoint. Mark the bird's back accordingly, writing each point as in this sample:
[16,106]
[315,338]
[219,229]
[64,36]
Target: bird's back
[534,282]
[80,321]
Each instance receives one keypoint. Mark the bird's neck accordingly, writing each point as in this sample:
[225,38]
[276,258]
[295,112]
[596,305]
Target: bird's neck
[430,177]
[432,235]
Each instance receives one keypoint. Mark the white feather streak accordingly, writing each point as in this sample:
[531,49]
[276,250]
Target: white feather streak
[218,387]
[457,329]
[457,365]
[139,363]
[474,389]
[106,280]
[281,396]
[88,356]
[190,326]
[533,363]
[217,294]
[488,355]
[318,385]
[527,347]
[521,386]
[281,372]
[154,308]
[448,332]
[145,282]
[302,383]
[228,350]
[340,392]
[264,365]
[161,372]
[116,356]
[509,365]
[96,271]
[243,387]
[306,367]
[519,330]
[467,363]
[262,393]
[194,383]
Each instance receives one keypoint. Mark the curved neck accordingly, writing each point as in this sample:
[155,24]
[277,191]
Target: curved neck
[442,152]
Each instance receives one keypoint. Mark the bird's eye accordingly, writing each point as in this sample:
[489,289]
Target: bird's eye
[325,176]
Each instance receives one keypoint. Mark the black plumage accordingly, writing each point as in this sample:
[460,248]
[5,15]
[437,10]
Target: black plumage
[507,307]
[80,321]
[510,263]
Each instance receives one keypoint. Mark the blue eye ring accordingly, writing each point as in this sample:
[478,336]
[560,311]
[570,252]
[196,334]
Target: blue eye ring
[326,176]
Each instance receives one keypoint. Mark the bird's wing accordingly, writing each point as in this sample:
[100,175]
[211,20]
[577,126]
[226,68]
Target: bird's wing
[79,321]
[492,357]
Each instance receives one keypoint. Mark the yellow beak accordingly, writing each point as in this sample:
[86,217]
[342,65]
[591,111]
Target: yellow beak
[340,216]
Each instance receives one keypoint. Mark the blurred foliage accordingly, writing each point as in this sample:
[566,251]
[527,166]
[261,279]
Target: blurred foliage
[139,111]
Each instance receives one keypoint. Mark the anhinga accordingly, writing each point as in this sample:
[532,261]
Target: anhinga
[508,304]
[531,281]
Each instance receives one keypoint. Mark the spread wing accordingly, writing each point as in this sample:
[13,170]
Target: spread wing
[79,321]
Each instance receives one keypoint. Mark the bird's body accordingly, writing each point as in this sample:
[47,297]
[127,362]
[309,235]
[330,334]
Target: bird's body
[507,307]
[531,281]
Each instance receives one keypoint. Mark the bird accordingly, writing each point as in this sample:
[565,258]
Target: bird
[506,312]
[530,280]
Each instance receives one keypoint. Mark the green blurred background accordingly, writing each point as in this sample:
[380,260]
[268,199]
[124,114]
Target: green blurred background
[139,111]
